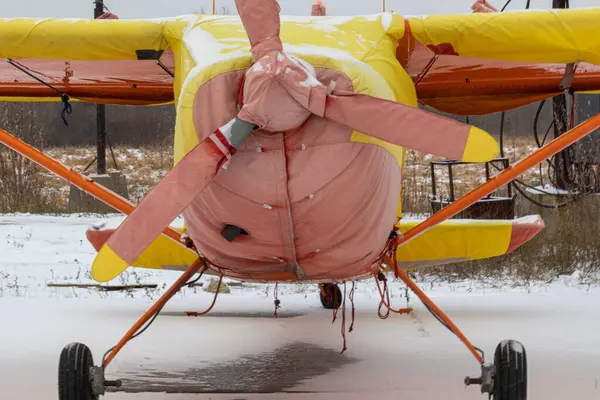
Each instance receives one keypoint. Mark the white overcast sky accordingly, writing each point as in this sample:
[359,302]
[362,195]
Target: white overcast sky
[166,8]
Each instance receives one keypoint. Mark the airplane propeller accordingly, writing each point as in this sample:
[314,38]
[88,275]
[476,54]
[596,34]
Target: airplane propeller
[280,93]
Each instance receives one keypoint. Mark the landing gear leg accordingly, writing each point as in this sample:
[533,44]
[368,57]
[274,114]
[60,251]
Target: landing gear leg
[79,379]
[506,378]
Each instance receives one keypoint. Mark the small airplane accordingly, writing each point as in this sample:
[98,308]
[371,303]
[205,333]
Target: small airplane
[290,142]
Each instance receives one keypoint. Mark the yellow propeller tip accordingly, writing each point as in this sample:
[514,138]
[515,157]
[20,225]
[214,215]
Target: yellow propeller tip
[481,146]
[107,265]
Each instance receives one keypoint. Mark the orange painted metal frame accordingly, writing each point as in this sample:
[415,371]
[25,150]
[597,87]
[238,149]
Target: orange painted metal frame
[400,273]
[454,83]
[86,184]
[459,205]
[503,178]
[156,307]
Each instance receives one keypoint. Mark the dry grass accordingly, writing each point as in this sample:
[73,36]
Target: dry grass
[143,167]
[568,244]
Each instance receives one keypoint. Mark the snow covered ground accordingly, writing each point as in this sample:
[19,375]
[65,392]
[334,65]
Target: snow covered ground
[241,347]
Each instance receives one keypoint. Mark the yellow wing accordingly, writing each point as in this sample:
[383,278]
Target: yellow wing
[462,240]
[103,61]
[551,36]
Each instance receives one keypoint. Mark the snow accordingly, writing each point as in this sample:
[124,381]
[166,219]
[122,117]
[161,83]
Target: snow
[386,21]
[304,65]
[311,73]
[257,67]
[310,82]
[391,359]
[330,20]
[548,189]
[323,51]
[206,50]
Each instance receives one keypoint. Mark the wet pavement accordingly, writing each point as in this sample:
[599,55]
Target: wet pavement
[271,372]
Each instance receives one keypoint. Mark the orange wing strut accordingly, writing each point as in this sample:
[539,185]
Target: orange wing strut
[503,178]
[400,273]
[86,184]
[155,309]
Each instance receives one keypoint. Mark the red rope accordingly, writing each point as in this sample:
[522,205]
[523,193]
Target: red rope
[344,320]
[277,302]
[352,302]
[198,314]
[335,304]
[385,299]
[383,293]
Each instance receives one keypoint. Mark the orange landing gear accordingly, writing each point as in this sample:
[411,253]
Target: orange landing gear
[506,378]
[79,379]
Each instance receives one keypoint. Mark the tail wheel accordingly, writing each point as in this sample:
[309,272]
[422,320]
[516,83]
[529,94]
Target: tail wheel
[74,381]
[510,379]
[330,295]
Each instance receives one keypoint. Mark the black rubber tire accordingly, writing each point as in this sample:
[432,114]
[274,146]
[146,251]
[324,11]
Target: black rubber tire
[510,380]
[74,373]
[333,297]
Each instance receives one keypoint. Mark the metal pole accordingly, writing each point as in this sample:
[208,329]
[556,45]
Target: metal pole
[214,4]
[560,115]
[100,114]
[384,6]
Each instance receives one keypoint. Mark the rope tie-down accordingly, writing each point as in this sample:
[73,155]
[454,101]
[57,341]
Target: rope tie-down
[385,299]
[352,303]
[344,348]
[64,98]
[391,252]
[277,302]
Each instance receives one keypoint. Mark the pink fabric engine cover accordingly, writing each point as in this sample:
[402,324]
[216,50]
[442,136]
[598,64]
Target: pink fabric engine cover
[315,205]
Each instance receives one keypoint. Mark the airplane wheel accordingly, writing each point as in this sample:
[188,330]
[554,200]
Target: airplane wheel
[333,296]
[510,380]
[74,381]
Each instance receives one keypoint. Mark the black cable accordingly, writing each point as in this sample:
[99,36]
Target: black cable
[540,204]
[539,143]
[502,134]
[104,7]
[67,109]
[514,183]
[532,200]
[163,66]
[506,5]
[441,321]
[202,271]
[536,120]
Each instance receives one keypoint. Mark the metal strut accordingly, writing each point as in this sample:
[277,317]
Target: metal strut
[152,311]
[438,313]
[496,182]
